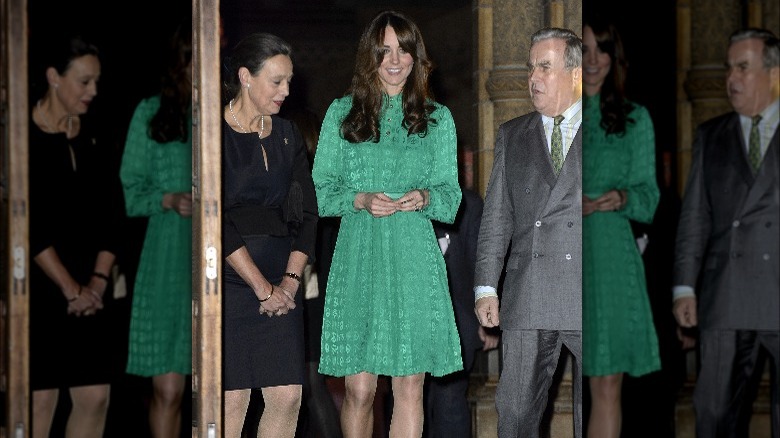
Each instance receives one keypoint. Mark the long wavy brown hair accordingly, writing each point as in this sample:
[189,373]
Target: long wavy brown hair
[614,105]
[171,120]
[362,121]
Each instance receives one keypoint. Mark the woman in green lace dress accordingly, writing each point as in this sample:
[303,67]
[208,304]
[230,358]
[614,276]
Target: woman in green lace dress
[619,185]
[156,174]
[386,163]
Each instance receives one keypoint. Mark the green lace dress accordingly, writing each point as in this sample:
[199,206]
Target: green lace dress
[388,309]
[161,321]
[618,331]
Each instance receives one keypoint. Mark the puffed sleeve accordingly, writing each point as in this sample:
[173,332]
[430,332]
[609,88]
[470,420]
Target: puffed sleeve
[142,197]
[443,185]
[642,190]
[334,196]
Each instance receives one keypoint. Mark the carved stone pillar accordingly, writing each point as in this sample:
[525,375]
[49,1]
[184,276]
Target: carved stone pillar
[706,81]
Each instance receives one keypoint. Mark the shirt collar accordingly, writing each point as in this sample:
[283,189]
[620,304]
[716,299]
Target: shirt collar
[572,115]
[769,115]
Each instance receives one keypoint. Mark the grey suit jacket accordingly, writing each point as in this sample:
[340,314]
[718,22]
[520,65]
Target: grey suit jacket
[727,236]
[540,215]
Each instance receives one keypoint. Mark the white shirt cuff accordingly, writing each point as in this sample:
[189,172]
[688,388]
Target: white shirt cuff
[484,291]
[682,291]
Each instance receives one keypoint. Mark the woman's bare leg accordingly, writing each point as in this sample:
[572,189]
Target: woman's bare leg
[408,414]
[280,416]
[90,407]
[605,412]
[357,410]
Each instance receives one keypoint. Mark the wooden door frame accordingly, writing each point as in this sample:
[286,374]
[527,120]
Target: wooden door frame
[206,238]
[14,301]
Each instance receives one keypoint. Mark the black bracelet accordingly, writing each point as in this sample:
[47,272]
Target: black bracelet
[99,275]
[269,295]
[293,275]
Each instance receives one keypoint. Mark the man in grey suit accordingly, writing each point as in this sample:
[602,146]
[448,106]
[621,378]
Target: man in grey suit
[726,256]
[534,203]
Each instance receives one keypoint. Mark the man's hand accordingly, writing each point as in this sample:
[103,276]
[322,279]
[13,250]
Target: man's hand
[489,339]
[486,309]
[687,339]
[684,311]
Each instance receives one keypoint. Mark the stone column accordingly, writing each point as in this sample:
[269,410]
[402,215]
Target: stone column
[706,31]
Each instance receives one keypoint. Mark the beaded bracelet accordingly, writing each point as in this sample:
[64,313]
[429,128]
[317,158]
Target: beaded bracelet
[70,300]
[100,275]
[293,275]
[269,295]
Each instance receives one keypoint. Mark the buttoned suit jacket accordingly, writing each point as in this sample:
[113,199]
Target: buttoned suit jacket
[727,237]
[532,228]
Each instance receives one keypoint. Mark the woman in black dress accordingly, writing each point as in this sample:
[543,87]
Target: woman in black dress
[269,226]
[75,210]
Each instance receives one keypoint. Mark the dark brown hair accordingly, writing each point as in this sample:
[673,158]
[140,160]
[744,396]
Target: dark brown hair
[362,121]
[614,106]
[171,120]
[251,52]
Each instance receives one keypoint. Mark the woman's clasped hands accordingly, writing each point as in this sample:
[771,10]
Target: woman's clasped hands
[612,200]
[86,302]
[280,298]
[380,204]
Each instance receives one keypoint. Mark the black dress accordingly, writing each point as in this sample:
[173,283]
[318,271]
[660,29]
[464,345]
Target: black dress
[75,207]
[272,212]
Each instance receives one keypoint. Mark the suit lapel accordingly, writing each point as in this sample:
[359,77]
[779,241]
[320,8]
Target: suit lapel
[570,171]
[541,152]
[767,173]
[737,150]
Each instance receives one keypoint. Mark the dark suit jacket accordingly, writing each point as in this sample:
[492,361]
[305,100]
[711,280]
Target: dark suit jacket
[460,259]
[727,236]
[541,216]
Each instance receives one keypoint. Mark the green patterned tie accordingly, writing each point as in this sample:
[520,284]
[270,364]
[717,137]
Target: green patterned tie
[556,149]
[754,145]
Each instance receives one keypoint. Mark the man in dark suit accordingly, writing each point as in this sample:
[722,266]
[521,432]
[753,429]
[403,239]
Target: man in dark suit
[726,256]
[534,202]
[447,411]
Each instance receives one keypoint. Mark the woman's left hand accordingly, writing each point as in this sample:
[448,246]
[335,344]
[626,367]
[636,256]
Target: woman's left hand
[87,303]
[282,300]
[612,200]
[413,200]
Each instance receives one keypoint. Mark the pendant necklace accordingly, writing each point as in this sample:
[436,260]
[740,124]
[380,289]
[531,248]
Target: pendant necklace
[54,131]
[259,134]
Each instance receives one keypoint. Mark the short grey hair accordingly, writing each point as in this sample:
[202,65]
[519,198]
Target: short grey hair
[572,56]
[771,44]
